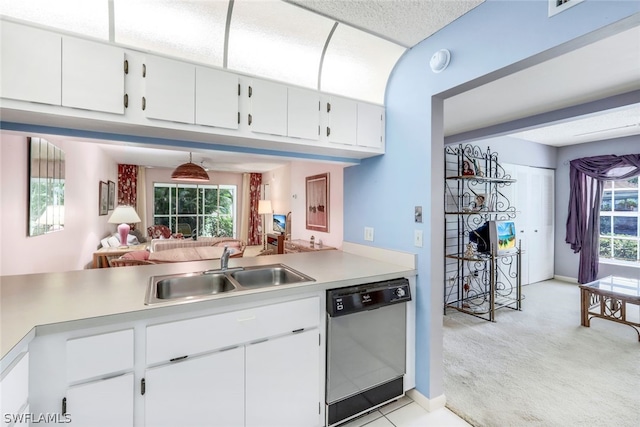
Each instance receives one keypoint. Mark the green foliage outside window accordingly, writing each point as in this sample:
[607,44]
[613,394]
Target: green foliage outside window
[622,196]
[209,210]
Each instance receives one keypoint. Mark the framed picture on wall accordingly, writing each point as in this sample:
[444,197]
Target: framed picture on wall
[112,195]
[103,198]
[317,202]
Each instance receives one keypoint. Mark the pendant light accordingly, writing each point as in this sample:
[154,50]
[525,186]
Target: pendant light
[190,172]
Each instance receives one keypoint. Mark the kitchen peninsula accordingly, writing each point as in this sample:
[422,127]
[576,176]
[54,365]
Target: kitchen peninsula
[86,333]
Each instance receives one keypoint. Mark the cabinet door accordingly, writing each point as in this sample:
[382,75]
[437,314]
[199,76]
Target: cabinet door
[283,381]
[30,64]
[268,107]
[92,76]
[370,125]
[169,90]
[14,387]
[216,98]
[303,114]
[105,403]
[204,391]
[343,119]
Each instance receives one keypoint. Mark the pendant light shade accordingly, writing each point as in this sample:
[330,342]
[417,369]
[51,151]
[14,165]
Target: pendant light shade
[189,172]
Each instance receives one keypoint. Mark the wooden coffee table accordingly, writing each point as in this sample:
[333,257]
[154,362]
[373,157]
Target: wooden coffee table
[608,298]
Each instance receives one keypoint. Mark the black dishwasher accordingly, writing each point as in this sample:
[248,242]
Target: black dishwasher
[366,347]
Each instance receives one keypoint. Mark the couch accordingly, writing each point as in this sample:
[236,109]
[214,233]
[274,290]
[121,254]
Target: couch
[165,244]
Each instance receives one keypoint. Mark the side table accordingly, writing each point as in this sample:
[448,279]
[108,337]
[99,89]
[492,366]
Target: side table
[102,255]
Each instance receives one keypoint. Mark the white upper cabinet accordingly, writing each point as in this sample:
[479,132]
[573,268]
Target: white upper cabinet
[169,90]
[370,125]
[217,94]
[343,119]
[268,107]
[92,76]
[30,64]
[303,114]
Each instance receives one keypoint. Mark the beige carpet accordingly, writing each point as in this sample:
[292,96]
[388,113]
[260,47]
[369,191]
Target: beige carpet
[539,367]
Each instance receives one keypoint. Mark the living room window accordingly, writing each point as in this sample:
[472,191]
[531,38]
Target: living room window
[208,210]
[619,227]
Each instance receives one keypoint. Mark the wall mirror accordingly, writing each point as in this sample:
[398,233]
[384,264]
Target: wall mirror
[46,187]
[317,200]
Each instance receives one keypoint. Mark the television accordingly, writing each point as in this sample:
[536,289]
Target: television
[502,237]
[279,223]
[496,236]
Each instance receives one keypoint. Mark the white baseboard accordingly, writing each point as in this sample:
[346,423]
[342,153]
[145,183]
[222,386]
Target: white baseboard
[430,405]
[565,278]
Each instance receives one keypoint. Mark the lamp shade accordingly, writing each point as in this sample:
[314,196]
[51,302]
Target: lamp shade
[190,172]
[124,214]
[264,206]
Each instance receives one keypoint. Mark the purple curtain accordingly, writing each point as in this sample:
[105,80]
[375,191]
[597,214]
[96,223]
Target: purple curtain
[587,177]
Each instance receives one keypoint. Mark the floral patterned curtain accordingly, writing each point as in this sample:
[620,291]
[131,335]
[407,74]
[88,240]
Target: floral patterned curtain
[127,185]
[255,220]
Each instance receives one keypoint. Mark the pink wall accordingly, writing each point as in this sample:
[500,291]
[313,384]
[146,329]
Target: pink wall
[301,170]
[68,249]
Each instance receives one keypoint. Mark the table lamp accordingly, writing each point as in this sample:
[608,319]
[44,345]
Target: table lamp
[264,208]
[124,215]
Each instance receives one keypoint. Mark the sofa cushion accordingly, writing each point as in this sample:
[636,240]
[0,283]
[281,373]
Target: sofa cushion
[139,255]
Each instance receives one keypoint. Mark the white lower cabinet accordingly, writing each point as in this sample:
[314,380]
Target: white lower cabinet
[203,391]
[14,391]
[253,367]
[283,381]
[256,365]
[103,403]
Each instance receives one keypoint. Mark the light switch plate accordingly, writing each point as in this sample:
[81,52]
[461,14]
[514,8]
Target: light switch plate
[368,234]
[417,238]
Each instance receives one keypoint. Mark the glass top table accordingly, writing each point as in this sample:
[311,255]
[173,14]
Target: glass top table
[608,298]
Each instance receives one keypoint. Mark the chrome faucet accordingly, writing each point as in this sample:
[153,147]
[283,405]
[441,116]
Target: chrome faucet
[224,259]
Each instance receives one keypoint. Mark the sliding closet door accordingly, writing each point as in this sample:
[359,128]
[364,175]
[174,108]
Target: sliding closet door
[533,197]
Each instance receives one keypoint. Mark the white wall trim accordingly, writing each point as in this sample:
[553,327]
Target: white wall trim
[565,278]
[430,405]
[404,259]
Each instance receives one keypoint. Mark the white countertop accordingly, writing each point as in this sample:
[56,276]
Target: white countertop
[34,300]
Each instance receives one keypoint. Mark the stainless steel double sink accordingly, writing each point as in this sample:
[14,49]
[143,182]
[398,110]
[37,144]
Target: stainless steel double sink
[207,284]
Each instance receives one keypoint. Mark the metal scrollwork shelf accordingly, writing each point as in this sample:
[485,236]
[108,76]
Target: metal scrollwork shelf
[477,282]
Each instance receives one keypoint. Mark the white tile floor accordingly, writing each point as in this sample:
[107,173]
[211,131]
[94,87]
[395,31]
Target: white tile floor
[404,412]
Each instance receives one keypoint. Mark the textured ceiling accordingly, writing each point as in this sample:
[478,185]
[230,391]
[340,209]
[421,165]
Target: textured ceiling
[406,22]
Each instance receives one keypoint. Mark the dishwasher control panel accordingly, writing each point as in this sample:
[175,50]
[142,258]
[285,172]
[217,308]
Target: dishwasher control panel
[370,296]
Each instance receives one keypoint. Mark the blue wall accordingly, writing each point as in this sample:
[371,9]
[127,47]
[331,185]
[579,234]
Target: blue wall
[382,192]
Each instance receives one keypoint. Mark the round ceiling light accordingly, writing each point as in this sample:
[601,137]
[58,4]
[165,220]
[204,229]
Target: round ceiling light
[190,172]
[440,60]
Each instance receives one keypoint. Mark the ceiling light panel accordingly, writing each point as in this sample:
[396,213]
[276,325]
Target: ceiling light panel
[86,17]
[358,64]
[188,29]
[276,40]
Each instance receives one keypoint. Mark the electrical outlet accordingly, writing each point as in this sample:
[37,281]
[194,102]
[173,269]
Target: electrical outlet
[368,234]
[417,238]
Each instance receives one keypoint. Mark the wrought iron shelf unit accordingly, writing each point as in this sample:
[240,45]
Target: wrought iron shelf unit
[477,283]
